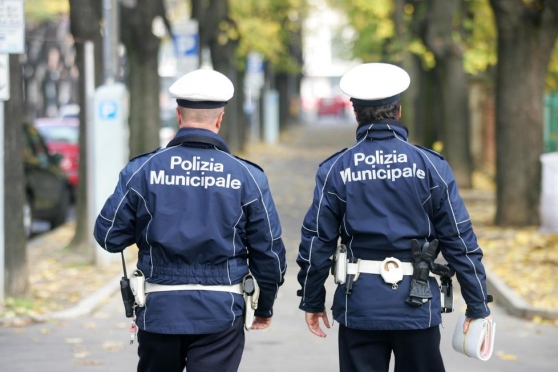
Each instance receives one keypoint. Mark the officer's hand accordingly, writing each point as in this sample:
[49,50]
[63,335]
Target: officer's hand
[313,322]
[469,320]
[260,323]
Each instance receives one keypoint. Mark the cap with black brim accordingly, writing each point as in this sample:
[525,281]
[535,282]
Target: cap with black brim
[374,84]
[202,89]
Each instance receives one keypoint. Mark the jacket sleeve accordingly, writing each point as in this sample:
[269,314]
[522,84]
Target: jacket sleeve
[459,244]
[319,236]
[266,251]
[115,226]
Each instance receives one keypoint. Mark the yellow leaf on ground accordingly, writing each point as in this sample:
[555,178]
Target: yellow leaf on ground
[507,356]
[113,345]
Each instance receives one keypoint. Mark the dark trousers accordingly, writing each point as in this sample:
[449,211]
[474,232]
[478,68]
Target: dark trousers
[219,352]
[370,351]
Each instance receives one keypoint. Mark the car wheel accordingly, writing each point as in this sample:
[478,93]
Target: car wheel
[27,218]
[62,213]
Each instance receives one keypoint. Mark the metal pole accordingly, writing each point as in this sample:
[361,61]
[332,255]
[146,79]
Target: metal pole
[89,66]
[2,235]
[110,40]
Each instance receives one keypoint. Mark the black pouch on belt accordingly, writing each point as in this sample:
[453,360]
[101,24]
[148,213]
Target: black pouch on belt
[420,292]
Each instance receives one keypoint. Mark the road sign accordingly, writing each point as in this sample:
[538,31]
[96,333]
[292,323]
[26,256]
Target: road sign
[4,77]
[186,45]
[186,40]
[12,27]
[254,78]
[108,110]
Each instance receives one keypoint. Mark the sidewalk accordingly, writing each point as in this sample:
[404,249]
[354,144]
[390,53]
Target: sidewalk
[92,333]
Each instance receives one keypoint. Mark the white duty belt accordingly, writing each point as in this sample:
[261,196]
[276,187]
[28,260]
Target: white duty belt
[153,287]
[140,288]
[478,342]
[391,270]
[377,267]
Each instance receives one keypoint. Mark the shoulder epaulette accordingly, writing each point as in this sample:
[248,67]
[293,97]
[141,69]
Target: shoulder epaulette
[249,162]
[147,153]
[337,153]
[431,151]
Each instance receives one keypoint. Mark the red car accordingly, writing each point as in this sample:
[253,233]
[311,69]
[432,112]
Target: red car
[62,137]
[332,106]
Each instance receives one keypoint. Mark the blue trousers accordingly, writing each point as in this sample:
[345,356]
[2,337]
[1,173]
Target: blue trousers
[219,352]
[370,351]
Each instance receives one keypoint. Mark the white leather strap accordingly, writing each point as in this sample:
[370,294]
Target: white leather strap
[373,267]
[152,287]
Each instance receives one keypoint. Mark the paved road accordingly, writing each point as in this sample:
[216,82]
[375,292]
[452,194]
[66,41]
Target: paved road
[99,342]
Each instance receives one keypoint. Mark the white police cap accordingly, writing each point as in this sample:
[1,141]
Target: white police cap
[203,88]
[374,84]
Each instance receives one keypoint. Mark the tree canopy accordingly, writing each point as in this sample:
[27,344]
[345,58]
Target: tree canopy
[267,27]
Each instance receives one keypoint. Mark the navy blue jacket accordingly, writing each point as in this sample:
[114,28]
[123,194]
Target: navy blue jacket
[376,197]
[197,215]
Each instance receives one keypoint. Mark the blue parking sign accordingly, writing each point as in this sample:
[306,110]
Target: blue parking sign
[186,45]
[108,110]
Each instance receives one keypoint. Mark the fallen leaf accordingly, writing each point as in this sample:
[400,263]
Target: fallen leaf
[507,356]
[74,340]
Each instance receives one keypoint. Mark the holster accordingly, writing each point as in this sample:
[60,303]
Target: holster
[251,296]
[339,267]
[137,284]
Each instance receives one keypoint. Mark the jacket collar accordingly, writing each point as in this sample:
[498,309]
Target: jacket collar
[200,136]
[384,128]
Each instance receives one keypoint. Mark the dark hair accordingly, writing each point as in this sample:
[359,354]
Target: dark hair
[368,114]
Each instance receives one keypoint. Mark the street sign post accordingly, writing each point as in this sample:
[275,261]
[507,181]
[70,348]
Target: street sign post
[107,149]
[12,31]
[4,77]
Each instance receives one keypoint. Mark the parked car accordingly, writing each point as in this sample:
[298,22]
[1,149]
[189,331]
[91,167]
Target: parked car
[332,106]
[47,188]
[62,137]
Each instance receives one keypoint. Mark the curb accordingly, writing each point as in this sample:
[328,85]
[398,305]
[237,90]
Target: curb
[86,306]
[515,305]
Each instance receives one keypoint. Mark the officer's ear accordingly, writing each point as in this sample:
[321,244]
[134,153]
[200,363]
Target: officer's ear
[399,114]
[178,116]
[219,120]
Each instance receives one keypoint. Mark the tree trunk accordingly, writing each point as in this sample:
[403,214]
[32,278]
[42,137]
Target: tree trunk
[526,35]
[219,32]
[142,48]
[282,85]
[82,32]
[438,37]
[425,111]
[16,282]
[428,120]
[408,63]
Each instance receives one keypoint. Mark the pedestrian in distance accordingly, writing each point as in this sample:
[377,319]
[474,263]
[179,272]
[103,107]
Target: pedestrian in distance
[382,211]
[210,254]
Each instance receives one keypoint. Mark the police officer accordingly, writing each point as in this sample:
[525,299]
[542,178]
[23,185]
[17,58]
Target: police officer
[381,198]
[202,220]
